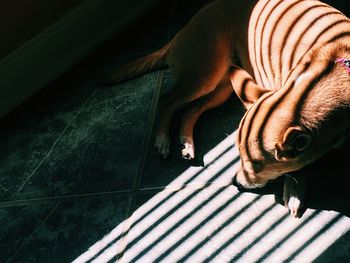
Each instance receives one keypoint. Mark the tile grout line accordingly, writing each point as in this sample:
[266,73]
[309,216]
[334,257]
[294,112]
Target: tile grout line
[145,143]
[137,181]
[47,155]
[147,136]
[33,233]
[146,139]
[64,198]
[46,200]
[24,243]
[140,168]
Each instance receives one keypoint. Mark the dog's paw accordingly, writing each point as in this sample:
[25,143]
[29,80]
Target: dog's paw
[162,146]
[293,195]
[187,151]
[294,204]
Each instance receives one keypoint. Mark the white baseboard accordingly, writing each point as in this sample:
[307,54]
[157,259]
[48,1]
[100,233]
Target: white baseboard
[47,55]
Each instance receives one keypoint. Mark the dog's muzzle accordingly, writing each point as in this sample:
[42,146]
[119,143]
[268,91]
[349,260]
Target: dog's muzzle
[237,184]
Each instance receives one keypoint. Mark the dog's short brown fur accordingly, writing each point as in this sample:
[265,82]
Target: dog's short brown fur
[279,58]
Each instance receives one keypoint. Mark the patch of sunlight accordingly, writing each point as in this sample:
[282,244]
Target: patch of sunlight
[201,217]
[216,160]
[305,233]
[323,241]
[164,201]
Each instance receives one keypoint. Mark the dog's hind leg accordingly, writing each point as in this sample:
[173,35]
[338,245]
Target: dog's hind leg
[197,71]
[236,80]
[191,85]
[214,99]
[176,100]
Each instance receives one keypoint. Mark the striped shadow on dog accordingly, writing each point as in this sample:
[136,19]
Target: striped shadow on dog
[287,60]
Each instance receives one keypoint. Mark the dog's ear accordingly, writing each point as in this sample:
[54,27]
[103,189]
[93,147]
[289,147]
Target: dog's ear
[245,87]
[295,142]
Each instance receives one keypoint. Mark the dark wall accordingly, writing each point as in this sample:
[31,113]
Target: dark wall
[342,5]
[20,20]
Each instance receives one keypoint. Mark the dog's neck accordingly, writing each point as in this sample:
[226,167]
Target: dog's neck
[318,96]
[327,104]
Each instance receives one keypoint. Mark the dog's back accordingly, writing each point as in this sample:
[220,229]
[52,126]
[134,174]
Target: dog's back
[282,32]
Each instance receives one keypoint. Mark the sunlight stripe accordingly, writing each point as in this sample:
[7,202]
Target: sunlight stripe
[101,244]
[161,227]
[234,227]
[197,219]
[297,240]
[219,166]
[324,241]
[255,230]
[214,153]
[158,199]
[273,237]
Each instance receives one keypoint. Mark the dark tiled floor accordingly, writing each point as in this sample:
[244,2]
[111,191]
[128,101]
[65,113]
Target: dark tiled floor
[79,178]
[92,147]
[92,153]
[60,232]
[17,226]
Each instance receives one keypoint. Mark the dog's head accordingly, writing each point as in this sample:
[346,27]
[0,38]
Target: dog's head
[287,129]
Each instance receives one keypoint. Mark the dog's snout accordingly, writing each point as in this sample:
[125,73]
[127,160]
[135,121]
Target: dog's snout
[244,181]
[236,183]
[234,180]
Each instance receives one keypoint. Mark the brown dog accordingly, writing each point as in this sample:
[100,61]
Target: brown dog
[287,60]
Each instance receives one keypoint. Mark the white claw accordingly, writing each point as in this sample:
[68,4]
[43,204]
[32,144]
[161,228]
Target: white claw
[188,151]
[294,205]
[187,147]
[293,195]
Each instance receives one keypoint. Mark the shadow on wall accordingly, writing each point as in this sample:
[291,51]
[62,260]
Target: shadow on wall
[21,20]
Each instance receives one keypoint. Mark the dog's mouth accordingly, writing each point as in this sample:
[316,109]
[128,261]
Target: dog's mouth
[245,181]
[242,182]
[237,184]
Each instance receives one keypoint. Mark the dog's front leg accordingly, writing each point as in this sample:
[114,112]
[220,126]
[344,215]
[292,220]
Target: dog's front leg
[294,193]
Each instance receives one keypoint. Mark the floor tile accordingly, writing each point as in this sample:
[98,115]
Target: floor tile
[18,224]
[29,132]
[76,229]
[98,149]
[337,252]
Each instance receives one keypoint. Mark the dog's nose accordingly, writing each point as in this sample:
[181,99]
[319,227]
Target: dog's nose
[234,180]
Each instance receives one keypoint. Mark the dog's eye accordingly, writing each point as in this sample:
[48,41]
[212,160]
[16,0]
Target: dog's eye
[257,166]
[253,167]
